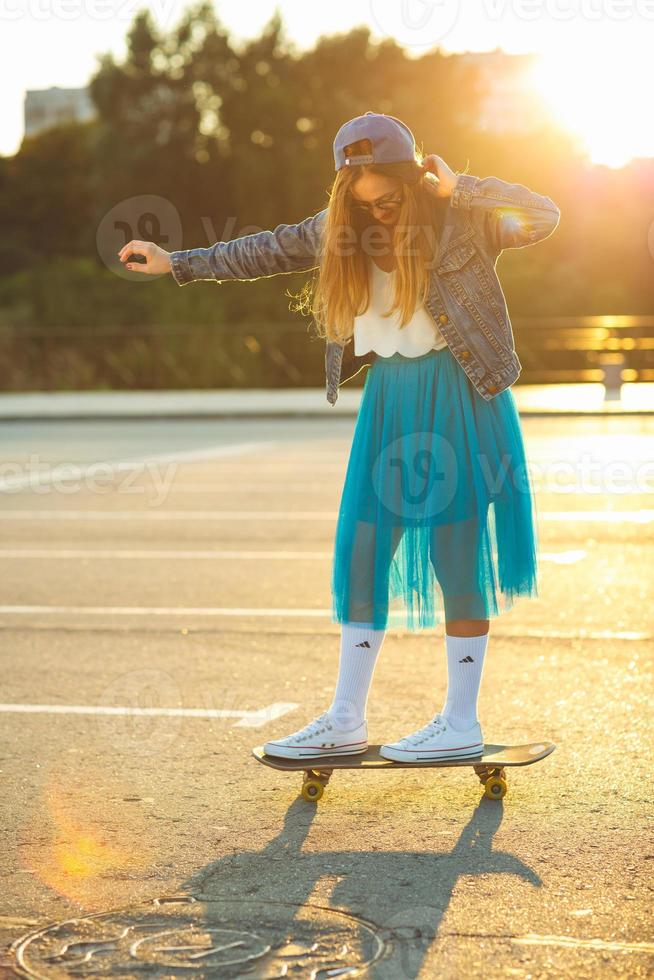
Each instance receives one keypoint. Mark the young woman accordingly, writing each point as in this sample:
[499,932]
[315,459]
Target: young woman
[436,520]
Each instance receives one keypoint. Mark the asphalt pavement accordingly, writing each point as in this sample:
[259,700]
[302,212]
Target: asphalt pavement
[165,607]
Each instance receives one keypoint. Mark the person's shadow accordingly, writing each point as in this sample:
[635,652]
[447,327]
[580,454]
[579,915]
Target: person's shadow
[403,895]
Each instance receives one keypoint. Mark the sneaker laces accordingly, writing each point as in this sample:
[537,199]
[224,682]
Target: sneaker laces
[316,727]
[434,727]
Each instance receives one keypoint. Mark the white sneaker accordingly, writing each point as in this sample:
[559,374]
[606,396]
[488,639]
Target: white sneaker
[319,738]
[437,740]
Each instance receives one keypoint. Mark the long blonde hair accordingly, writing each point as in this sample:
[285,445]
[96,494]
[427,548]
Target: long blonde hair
[339,289]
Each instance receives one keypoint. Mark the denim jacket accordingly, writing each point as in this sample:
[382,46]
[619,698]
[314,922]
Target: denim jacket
[485,216]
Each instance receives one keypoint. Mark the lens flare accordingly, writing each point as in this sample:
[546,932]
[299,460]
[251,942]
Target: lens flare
[85,835]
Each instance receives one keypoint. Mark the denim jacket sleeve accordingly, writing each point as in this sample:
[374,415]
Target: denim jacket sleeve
[505,215]
[288,248]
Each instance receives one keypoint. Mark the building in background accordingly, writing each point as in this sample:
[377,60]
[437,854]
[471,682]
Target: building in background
[49,107]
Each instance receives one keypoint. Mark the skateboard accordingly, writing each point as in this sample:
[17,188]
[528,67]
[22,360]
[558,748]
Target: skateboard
[490,766]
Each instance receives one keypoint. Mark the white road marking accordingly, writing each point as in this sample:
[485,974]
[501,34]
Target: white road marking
[122,553]
[68,471]
[158,611]
[231,486]
[260,612]
[247,719]
[563,557]
[601,945]
[557,557]
[643,516]
[167,515]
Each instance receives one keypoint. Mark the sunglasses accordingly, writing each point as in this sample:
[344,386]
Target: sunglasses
[386,203]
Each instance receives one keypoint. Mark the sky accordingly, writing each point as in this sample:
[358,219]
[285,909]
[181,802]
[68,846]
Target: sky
[596,68]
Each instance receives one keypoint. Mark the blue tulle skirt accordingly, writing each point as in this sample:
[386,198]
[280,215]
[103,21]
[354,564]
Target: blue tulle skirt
[437,519]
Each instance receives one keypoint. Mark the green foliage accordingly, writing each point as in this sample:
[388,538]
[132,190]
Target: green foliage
[239,138]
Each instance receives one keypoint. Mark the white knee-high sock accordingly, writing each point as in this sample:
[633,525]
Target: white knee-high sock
[360,648]
[465,663]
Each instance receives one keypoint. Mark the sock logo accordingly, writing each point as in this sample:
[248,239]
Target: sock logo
[466,660]
[364,644]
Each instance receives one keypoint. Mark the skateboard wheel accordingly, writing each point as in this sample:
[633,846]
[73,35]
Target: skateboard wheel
[312,790]
[495,788]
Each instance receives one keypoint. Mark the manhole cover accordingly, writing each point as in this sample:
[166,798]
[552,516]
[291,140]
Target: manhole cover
[181,935]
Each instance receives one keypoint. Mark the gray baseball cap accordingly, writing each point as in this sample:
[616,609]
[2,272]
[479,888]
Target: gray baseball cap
[392,141]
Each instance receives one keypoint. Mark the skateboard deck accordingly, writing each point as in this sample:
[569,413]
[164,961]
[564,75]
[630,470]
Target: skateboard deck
[490,766]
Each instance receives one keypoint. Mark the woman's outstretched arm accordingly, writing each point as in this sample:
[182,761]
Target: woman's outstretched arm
[287,248]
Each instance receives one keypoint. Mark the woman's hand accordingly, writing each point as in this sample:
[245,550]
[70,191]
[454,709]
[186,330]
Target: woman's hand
[446,178]
[157,259]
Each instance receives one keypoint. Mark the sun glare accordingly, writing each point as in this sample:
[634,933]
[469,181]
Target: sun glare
[600,98]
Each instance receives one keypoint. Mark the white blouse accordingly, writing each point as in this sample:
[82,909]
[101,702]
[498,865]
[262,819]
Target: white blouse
[374,332]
